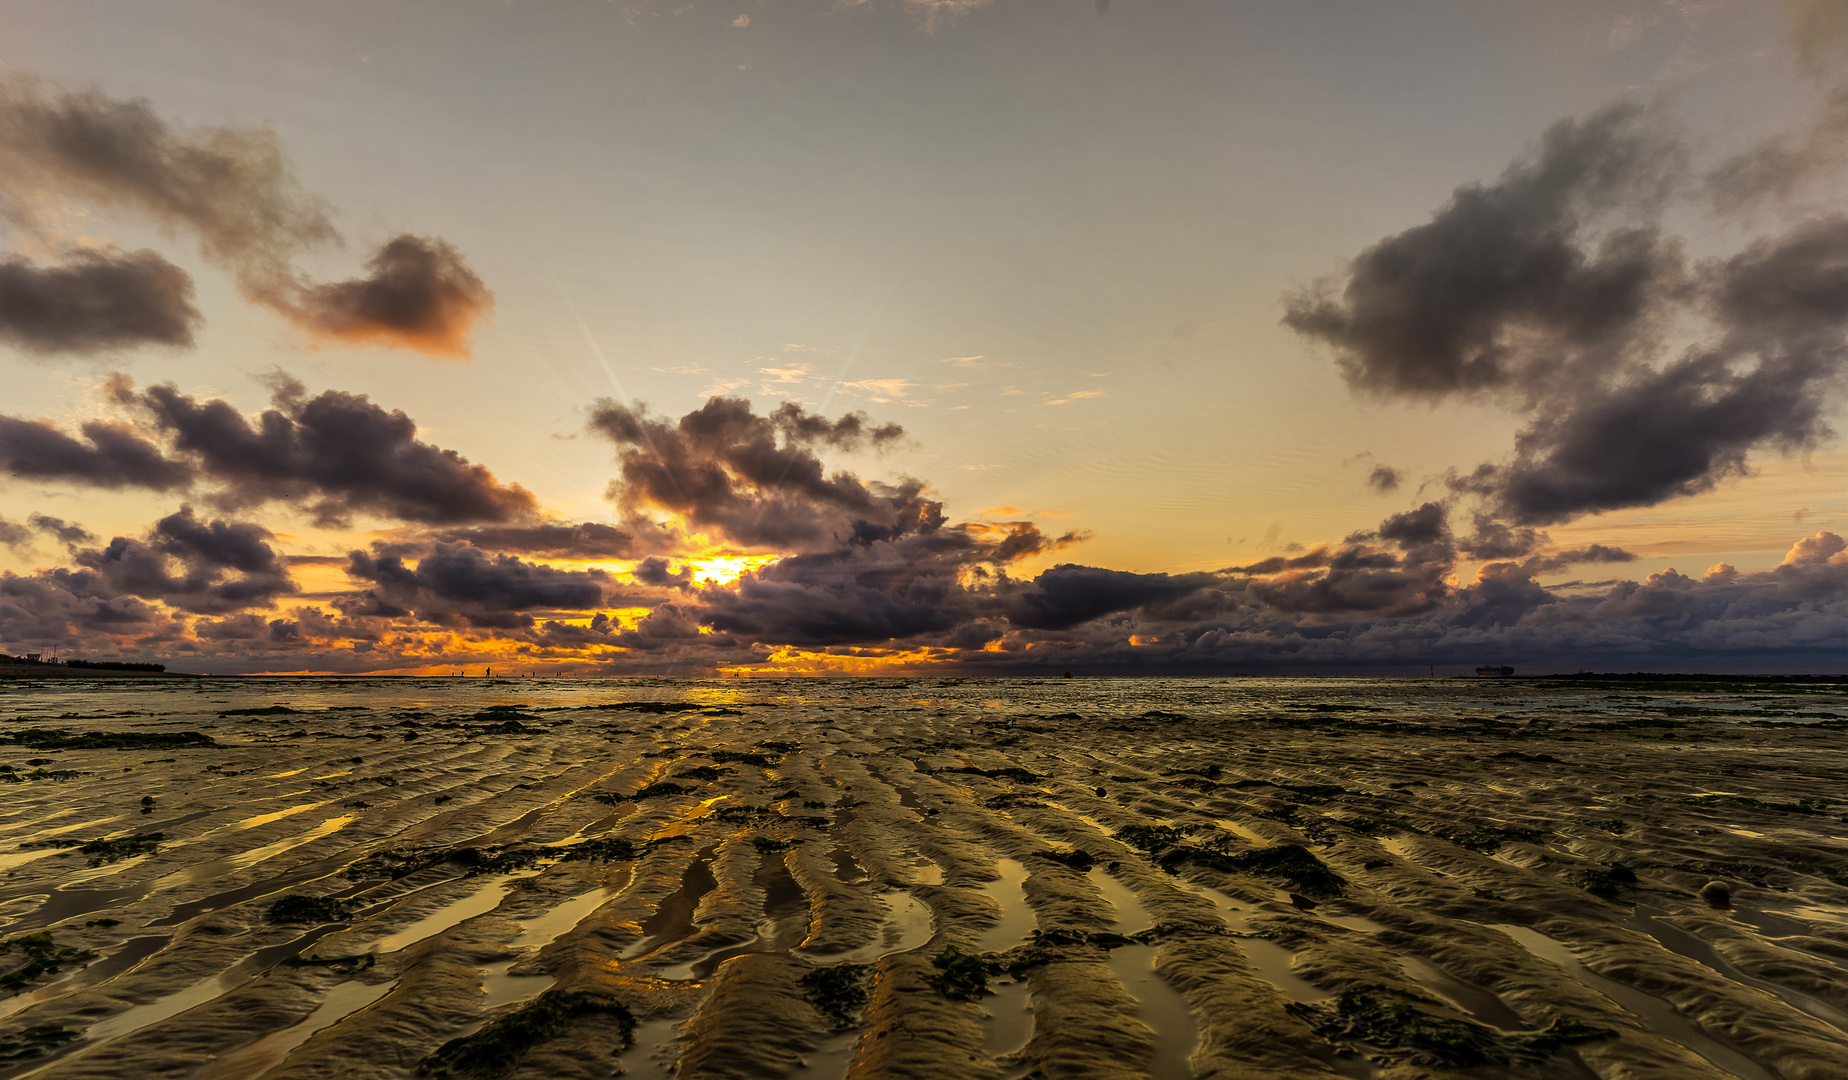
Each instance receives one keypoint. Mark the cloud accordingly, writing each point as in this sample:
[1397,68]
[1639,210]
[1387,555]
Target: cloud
[96,301]
[1384,478]
[67,532]
[420,295]
[13,534]
[108,456]
[654,571]
[184,562]
[1509,287]
[460,584]
[235,189]
[1552,291]
[756,480]
[1076,396]
[585,540]
[336,453]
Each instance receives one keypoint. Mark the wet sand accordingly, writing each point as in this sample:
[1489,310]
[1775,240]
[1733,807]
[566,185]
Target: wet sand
[1159,878]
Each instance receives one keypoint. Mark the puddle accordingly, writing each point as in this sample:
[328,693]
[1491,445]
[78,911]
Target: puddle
[1162,1008]
[784,924]
[499,987]
[482,900]
[673,917]
[832,1059]
[908,925]
[1017,918]
[846,867]
[205,990]
[653,1054]
[1272,963]
[1695,948]
[277,815]
[1465,997]
[266,1053]
[246,859]
[125,957]
[1131,916]
[1010,1018]
[1656,1014]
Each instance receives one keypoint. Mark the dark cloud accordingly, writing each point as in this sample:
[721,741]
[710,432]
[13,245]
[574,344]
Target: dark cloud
[67,532]
[13,534]
[1509,286]
[1384,478]
[1068,595]
[756,480]
[458,584]
[1527,291]
[336,453]
[109,456]
[420,295]
[186,563]
[585,540]
[654,571]
[236,190]
[92,302]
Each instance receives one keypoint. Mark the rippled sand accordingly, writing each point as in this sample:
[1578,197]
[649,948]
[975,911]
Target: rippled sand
[934,878]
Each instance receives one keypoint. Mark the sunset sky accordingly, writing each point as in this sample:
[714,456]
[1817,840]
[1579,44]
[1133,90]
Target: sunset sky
[911,335]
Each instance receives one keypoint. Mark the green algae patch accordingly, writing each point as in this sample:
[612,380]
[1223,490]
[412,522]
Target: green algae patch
[838,992]
[1396,1025]
[43,956]
[960,975]
[499,1048]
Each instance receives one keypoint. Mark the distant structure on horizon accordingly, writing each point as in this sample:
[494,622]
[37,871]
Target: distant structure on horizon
[1491,671]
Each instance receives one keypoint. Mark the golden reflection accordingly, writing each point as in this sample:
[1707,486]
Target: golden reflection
[725,569]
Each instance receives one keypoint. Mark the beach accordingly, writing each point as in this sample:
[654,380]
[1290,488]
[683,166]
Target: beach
[1167,878]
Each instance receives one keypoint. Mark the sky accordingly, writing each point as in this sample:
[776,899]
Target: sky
[894,336]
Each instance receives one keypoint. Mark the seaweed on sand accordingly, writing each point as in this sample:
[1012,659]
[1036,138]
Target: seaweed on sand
[960,975]
[270,710]
[102,852]
[343,965]
[1012,772]
[1394,1025]
[52,739]
[43,955]
[311,909]
[497,1049]
[33,1041]
[745,757]
[1077,860]
[1607,881]
[1292,862]
[837,992]
[1488,839]
[702,773]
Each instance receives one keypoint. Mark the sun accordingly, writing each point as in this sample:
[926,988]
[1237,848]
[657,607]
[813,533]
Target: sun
[725,569]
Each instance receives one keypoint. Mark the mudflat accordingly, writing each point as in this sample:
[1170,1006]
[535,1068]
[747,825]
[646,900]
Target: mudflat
[1166,878]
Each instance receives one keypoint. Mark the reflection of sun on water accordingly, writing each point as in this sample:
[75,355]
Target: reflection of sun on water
[725,569]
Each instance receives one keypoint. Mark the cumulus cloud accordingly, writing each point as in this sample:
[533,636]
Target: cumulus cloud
[1384,479]
[95,301]
[1551,290]
[236,191]
[757,480]
[458,584]
[109,456]
[188,564]
[336,453]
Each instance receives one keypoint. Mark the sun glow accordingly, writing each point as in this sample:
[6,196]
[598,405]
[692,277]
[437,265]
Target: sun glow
[725,569]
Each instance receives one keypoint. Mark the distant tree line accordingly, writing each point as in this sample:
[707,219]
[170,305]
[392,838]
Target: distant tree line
[92,665]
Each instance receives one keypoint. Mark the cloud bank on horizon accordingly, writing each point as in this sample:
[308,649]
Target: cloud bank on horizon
[1554,292]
